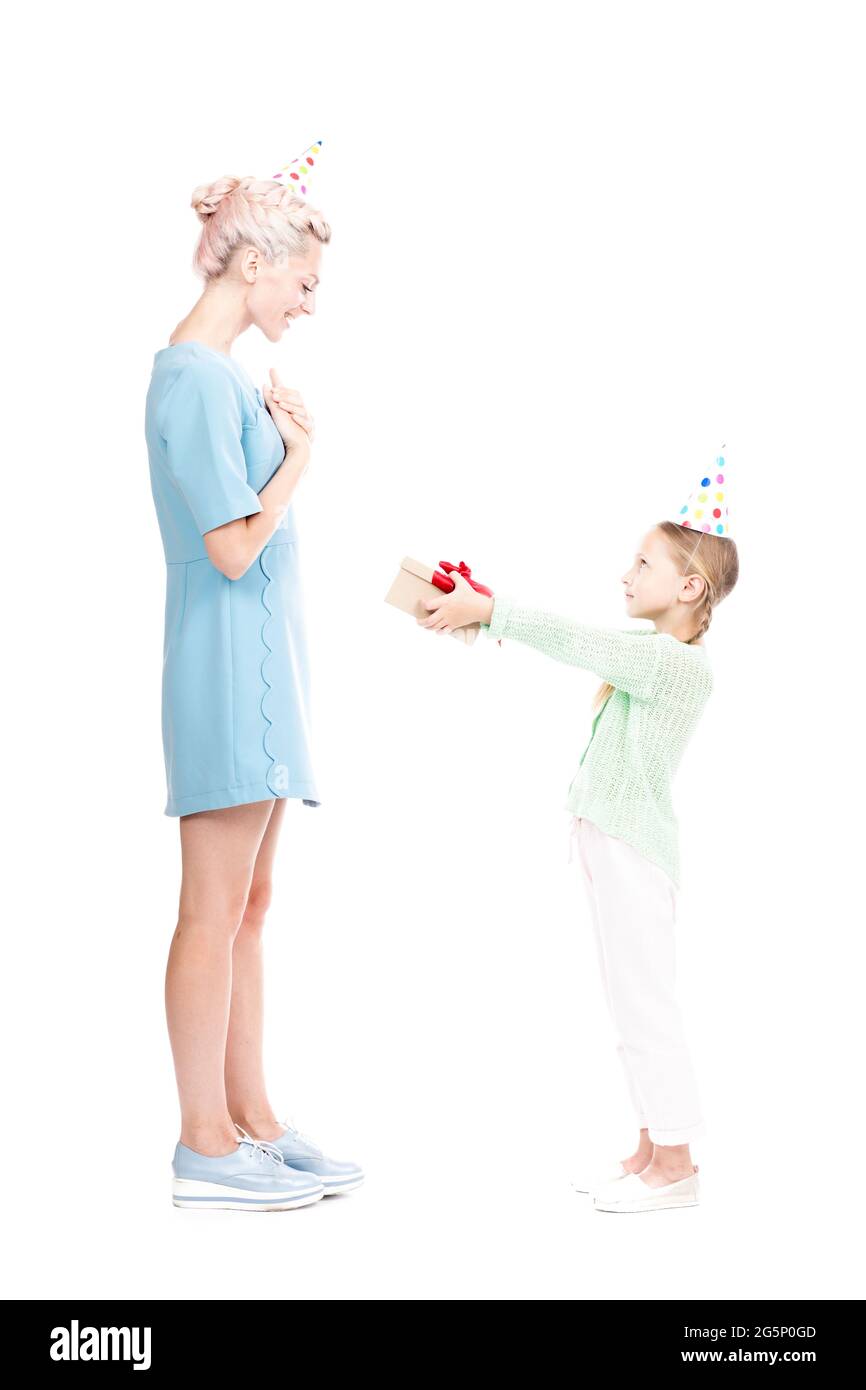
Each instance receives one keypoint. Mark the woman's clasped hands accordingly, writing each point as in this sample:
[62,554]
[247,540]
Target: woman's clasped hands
[288,412]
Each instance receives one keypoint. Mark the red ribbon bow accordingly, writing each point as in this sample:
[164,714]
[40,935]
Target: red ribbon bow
[447,585]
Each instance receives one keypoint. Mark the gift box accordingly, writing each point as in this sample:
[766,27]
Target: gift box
[416,581]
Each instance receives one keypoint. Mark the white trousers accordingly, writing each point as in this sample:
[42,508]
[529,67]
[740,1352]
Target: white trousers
[633,907]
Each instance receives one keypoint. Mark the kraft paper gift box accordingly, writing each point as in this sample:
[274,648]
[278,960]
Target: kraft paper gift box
[416,581]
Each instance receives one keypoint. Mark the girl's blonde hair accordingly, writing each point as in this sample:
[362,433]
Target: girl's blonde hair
[252,212]
[714,558]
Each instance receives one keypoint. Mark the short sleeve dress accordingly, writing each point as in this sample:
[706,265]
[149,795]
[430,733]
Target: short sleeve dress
[236,721]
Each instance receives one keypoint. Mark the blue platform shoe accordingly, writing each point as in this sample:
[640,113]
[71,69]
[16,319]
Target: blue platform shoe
[299,1151]
[255,1177]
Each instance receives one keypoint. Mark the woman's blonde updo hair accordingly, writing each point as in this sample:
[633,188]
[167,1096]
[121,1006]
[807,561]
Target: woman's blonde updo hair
[252,212]
[714,558]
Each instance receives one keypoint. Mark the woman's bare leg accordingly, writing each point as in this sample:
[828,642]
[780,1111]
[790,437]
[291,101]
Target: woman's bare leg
[219,851]
[246,1093]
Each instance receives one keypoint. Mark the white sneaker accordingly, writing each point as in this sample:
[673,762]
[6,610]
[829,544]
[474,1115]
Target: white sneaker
[603,1179]
[631,1193]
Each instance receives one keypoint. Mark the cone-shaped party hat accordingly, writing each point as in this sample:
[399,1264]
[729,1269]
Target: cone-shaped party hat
[297,174]
[707,507]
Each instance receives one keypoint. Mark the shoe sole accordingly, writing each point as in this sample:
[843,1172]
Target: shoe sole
[209,1196]
[333,1189]
[633,1208]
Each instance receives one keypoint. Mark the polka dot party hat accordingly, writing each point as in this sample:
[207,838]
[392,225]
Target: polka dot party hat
[707,506]
[297,174]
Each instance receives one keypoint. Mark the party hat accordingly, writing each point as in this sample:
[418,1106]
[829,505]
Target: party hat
[297,173]
[707,505]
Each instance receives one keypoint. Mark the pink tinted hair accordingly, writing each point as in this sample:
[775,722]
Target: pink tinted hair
[252,212]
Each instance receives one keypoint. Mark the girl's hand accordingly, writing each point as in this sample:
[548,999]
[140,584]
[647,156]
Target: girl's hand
[288,412]
[463,605]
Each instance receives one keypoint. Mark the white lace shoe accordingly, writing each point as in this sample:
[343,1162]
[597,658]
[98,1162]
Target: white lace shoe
[631,1193]
[608,1175]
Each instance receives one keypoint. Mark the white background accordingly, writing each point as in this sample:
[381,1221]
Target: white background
[576,248]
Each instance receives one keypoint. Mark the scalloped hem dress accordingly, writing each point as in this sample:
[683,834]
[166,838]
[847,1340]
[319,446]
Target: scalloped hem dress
[236,723]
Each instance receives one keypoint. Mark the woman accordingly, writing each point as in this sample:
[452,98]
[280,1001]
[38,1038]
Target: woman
[225,460]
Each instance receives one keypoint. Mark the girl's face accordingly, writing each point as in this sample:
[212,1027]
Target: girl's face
[652,584]
[280,294]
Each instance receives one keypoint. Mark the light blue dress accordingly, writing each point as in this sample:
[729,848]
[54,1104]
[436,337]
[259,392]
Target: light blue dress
[236,723]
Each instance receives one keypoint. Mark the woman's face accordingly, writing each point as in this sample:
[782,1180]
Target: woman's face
[651,581]
[280,293]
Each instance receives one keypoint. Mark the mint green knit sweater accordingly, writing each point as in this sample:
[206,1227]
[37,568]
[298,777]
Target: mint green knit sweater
[623,781]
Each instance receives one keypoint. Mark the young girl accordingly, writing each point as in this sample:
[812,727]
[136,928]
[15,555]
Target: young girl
[656,684]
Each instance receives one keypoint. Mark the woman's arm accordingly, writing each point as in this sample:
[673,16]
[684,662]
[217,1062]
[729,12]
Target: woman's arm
[235,546]
[202,424]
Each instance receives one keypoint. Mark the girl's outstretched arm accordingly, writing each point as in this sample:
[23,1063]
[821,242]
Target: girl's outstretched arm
[631,661]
